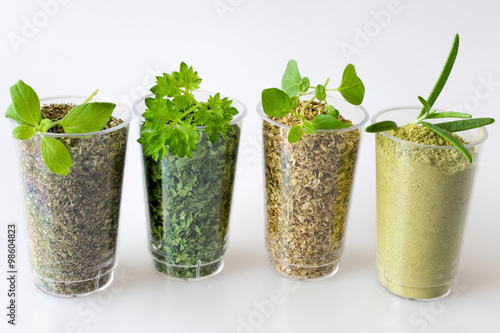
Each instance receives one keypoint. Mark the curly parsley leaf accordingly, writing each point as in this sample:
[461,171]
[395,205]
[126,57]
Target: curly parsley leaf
[172,115]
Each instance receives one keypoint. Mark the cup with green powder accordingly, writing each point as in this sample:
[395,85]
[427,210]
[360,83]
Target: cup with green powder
[423,189]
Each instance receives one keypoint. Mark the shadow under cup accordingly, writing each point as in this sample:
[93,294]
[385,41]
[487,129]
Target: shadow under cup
[423,194]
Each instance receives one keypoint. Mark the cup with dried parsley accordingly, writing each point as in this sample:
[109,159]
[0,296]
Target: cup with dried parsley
[189,197]
[72,211]
[424,186]
[308,186]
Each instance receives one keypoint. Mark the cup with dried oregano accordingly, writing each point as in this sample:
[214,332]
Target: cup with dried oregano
[72,179]
[189,188]
[308,187]
[423,191]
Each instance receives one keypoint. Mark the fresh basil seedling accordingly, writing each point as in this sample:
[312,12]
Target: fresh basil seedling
[84,118]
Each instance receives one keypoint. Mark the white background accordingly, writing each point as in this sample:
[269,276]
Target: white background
[239,48]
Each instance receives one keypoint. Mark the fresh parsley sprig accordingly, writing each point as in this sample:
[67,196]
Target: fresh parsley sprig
[443,129]
[83,118]
[279,103]
[171,116]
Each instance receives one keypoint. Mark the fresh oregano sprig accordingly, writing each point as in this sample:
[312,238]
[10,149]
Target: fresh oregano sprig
[83,118]
[443,129]
[279,103]
[171,116]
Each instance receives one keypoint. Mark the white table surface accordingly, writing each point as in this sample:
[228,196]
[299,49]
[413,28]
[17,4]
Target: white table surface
[239,48]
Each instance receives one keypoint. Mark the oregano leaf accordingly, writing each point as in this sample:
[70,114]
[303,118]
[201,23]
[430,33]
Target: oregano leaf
[275,102]
[295,134]
[291,79]
[351,87]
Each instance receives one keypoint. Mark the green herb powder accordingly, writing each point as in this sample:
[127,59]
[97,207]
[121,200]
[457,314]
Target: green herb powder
[422,199]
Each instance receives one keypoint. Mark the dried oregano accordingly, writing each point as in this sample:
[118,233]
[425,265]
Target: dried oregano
[309,172]
[308,186]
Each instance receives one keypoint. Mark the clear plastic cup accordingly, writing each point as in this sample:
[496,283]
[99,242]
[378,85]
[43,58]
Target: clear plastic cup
[73,220]
[423,193]
[308,186]
[189,201]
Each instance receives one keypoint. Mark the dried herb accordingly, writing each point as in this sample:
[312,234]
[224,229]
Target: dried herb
[423,193]
[84,118]
[189,202]
[443,129]
[280,103]
[190,150]
[73,219]
[308,186]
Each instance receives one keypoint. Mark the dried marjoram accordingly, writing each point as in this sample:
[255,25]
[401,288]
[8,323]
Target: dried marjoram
[308,186]
[73,219]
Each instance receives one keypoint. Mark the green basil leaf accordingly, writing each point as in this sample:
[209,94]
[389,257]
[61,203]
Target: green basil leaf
[438,130]
[23,132]
[295,102]
[291,79]
[56,156]
[309,127]
[45,124]
[12,114]
[464,125]
[351,87]
[330,110]
[323,121]
[320,92]
[381,126]
[88,117]
[450,114]
[26,103]
[304,84]
[275,102]
[295,134]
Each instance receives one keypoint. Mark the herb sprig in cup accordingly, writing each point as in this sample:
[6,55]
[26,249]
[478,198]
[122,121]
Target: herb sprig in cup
[443,129]
[173,114]
[279,103]
[84,118]
[190,148]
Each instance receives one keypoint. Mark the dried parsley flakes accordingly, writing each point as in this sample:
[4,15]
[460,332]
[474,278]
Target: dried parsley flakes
[189,201]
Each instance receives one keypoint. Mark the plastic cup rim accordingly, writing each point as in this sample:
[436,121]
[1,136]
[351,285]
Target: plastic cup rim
[261,113]
[125,123]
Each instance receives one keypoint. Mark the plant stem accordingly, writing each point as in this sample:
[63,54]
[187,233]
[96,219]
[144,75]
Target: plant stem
[326,82]
[190,110]
[91,96]
[306,105]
